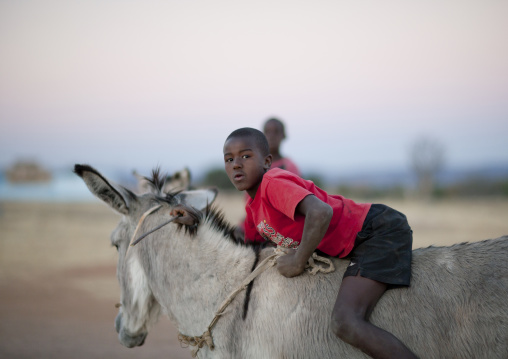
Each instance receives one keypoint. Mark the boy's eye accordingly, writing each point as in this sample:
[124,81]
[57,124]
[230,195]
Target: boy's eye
[228,160]
[245,156]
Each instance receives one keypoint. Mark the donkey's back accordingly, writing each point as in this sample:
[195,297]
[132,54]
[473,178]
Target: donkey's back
[456,307]
[457,301]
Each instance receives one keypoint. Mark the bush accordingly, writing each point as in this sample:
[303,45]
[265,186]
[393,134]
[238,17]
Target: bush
[217,177]
[316,178]
[478,186]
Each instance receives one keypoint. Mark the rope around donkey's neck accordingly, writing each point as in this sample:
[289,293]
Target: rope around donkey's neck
[270,261]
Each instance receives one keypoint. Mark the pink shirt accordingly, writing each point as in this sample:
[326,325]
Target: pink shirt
[271,214]
[288,165]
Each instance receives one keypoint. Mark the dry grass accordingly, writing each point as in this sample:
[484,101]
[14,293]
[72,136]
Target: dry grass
[57,271]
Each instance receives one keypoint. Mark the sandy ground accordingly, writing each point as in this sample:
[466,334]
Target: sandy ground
[57,272]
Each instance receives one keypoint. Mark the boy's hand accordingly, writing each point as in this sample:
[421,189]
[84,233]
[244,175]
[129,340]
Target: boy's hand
[288,265]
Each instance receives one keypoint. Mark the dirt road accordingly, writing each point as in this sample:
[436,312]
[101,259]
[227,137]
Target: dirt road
[57,273]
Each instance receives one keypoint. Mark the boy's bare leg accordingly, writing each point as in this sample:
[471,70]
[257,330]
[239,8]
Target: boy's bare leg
[356,299]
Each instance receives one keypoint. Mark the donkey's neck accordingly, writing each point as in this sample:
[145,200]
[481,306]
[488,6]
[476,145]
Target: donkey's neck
[191,277]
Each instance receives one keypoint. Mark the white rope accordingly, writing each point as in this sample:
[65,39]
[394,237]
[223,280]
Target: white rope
[140,222]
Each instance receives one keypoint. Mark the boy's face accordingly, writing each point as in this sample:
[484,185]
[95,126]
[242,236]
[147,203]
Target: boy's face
[245,164]
[274,134]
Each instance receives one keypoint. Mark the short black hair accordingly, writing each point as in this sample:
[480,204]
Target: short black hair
[278,122]
[258,137]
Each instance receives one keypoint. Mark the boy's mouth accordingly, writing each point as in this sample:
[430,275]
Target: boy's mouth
[238,176]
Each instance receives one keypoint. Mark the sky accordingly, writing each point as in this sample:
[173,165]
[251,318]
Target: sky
[139,84]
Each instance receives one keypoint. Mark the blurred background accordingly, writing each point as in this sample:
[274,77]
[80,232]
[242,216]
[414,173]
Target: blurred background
[396,102]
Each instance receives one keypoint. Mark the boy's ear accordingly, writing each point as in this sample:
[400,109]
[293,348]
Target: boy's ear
[268,162]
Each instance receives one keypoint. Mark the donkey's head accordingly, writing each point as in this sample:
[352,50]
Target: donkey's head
[139,309]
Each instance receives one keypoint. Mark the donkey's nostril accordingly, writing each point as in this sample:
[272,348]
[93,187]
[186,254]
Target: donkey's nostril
[118,322]
[131,341]
[143,342]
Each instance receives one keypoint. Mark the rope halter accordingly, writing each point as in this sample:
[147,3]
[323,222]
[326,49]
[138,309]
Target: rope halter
[206,338]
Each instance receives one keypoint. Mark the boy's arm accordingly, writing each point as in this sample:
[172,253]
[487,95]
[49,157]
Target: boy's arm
[318,215]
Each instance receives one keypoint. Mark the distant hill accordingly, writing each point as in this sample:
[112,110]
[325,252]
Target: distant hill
[404,177]
[27,172]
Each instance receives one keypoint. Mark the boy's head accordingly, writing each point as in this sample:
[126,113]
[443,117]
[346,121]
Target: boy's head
[258,138]
[275,133]
[246,158]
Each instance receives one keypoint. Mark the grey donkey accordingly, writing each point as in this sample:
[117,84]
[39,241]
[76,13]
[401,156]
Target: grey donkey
[456,306]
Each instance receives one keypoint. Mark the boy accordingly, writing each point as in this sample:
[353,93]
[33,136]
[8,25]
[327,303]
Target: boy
[275,133]
[295,213]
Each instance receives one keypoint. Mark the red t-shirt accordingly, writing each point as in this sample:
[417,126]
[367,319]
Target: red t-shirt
[284,163]
[271,214]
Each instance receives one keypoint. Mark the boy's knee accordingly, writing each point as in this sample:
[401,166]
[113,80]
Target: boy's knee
[346,326]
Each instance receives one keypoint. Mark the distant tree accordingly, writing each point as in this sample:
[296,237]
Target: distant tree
[217,177]
[427,160]
[316,178]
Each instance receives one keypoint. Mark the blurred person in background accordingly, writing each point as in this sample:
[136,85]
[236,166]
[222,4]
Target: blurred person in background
[275,133]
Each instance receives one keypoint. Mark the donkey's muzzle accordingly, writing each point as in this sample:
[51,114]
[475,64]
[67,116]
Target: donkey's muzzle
[127,339]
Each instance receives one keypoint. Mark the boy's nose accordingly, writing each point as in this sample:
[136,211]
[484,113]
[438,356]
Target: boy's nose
[237,163]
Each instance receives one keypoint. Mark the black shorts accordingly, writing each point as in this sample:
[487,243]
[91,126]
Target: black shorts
[383,248]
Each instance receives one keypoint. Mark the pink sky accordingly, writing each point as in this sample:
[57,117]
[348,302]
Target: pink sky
[140,83]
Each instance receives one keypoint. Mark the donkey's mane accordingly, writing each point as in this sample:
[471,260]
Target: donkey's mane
[215,216]
[157,180]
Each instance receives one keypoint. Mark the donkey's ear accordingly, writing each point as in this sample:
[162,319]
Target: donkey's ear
[103,189]
[143,183]
[185,215]
[179,181]
[199,199]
